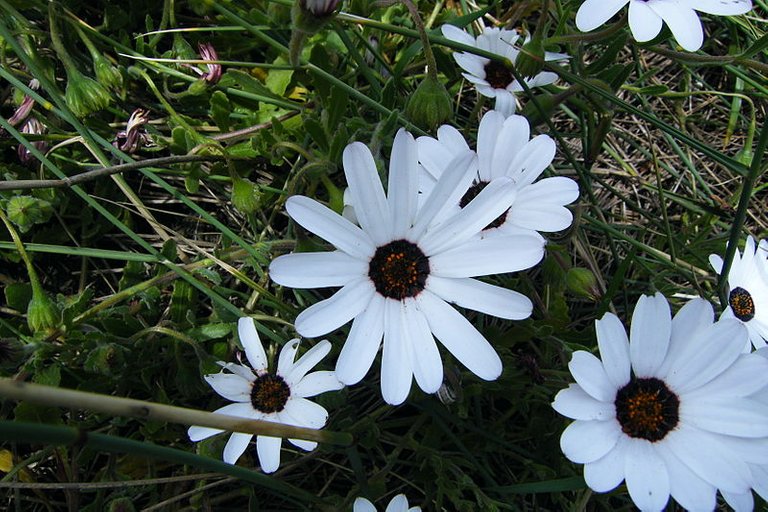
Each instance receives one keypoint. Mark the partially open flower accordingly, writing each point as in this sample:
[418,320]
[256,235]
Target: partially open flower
[33,127]
[208,52]
[134,136]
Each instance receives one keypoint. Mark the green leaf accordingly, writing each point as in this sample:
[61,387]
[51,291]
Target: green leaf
[18,295]
[221,108]
[48,376]
[337,108]
[26,211]
[210,331]
[278,79]
[316,132]
[608,56]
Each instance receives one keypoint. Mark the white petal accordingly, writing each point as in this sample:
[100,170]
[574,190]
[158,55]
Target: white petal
[367,192]
[682,21]
[746,376]
[716,262]
[316,383]
[434,156]
[425,358]
[646,475]
[727,415]
[308,361]
[557,190]
[249,338]
[694,315]
[511,139]
[492,255]
[590,375]
[197,433]
[304,413]
[316,269]
[398,504]
[687,488]
[396,365]
[473,64]
[607,472]
[483,297]
[587,441]
[643,21]
[362,344]
[722,7]
[330,226]
[487,134]
[492,201]
[363,505]
[506,103]
[330,314]
[453,183]
[460,337]
[532,160]
[241,410]
[402,190]
[286,358]
[594,13]
[268,449]
[614,349]
[576,404]
[307,446]
[456,34]
[236,446]
[741,502]
[649,334]
[232,387]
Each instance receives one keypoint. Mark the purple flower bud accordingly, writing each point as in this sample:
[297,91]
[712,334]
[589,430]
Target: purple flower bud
[320,8]
[134,136]
[208,52]
[33,127]
[23,110]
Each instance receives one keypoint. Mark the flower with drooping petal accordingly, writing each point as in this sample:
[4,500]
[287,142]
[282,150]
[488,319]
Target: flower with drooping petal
[398,272]
[748,289]
[492,78]
[280,396]
[398,504]
[646,17]
[504,149]
[670,410]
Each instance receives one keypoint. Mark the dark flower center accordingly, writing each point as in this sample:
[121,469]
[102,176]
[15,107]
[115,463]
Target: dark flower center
[647,409]
[472,193]
[399,270]
[270,393]
[742,304]
[498,75]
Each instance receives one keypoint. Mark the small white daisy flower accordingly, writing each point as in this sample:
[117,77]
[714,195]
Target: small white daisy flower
[748,289]
[398,504]
[492,78]
[504,149]
[646,17]
[670,410]
[280,397]
[399,272]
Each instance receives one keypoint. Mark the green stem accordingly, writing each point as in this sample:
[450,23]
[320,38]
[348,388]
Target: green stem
[741,213]
[37,288]
[428,55]
[140,409]
[58,45]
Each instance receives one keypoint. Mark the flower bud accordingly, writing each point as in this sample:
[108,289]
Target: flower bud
[33,127]
[308,17]
[84,95]
[208,52]
[583,283]
[430,105]
[134,136]
[42,314]
[106,74]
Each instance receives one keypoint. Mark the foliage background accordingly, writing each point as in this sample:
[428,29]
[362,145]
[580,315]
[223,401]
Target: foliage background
[149,269]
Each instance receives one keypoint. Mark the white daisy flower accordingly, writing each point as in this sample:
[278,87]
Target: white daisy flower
[492,78]
[280,397]
[748,289]
[504,149]
[399,272]
[646,17]
[398,504]
[668,411]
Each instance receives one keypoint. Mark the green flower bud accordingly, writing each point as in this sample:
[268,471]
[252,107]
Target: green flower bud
[42,314]
[430,105]
[106,74]
[583,283]
[245,195]
[308,17]
[84,95]
[530,61]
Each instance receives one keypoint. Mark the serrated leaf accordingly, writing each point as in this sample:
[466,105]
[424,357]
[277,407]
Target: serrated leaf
[337,108]
[48,376]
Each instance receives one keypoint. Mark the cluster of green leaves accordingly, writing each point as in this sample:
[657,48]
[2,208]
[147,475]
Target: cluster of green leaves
[147,271]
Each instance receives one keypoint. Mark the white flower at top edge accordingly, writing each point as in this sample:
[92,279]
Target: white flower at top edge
[280,396]
[748,289]
[646,17]
[745,501]
[671,410]
[504,149]
[492,78]
[399,273]
[398,504]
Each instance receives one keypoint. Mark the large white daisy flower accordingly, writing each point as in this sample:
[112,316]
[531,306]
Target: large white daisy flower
[399,272]
[646,16]
[492,78]
[748,289]
[504,149]
[670,410]
[279,396]
[398,504]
